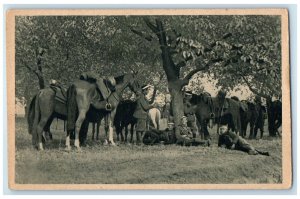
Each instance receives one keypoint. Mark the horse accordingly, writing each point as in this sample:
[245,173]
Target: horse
[229,110]
[154,118]
[83,101]
[42,110]
[274,110]
[204,112]
[124,118]
[212,110]
[249,114]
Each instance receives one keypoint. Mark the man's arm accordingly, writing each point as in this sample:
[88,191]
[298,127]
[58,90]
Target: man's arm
[234,137]
[145,104]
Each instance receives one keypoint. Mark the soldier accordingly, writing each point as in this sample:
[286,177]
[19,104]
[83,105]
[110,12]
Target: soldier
[154,136]
[189,112]
[141,112]
[230,140]
[184,135]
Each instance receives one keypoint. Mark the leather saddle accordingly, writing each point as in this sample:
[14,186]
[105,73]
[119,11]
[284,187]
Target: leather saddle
[60,93]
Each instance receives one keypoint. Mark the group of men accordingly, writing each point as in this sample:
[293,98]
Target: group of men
[187,130]
[185,135]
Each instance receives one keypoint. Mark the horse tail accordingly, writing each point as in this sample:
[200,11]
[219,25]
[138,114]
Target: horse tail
[31,114]
[36,120]
[72,109]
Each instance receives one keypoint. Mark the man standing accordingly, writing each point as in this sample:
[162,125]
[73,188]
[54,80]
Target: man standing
[141,112]
[189,112]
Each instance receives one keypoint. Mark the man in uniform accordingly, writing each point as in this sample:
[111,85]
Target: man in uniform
[189,112]
[230,140]
[184,135]
[154,136]
[141,112]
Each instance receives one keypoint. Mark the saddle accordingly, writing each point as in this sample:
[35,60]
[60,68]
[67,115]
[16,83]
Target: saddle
[103,85]
[60,93]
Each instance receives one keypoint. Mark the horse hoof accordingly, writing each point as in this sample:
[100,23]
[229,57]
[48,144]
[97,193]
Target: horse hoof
[68,148]
[78,149]
[112,144]
[105,142]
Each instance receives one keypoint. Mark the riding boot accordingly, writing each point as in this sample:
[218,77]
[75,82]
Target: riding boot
[263,152]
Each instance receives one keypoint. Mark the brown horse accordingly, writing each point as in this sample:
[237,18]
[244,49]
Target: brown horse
[209,109]
[83,100]
[42,110]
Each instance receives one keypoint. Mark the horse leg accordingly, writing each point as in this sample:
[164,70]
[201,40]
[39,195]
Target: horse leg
[83,132]
[126,133]
[98,129]
[93,131]
[78,124]
[106,128]
[110,126]
[39,129]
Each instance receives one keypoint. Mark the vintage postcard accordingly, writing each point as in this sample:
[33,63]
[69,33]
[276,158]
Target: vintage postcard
[132,99]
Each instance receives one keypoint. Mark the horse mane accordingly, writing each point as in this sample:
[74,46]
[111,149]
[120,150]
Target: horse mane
[205,97]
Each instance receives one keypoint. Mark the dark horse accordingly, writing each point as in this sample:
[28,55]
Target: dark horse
[83,102]
[249,115]
[204,112]
[211,109]
[42,110]
[124,118]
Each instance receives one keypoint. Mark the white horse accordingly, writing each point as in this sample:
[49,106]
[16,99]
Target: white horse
[154,117]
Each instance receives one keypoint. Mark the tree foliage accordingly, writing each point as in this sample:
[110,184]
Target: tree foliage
[236,50]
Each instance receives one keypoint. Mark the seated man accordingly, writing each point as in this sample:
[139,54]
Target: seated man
[230,140]
[185,137]
[189,112]
[155,136]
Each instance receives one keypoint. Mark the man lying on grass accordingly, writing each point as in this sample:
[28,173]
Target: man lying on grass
[230,140]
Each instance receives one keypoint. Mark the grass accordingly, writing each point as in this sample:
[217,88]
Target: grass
[100,164]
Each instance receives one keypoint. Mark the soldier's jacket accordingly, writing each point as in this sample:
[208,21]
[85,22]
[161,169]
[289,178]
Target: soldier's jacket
[184,133]
[142,107]
[189,111]
[229,138]
[154,136]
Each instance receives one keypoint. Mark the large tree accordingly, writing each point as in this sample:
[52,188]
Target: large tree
[233,50]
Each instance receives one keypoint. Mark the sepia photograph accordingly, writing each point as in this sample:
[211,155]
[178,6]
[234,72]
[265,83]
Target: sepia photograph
[148,99]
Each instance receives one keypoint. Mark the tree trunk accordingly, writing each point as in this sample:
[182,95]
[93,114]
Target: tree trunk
[177,102]
[41,81]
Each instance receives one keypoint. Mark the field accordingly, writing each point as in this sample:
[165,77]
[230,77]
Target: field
[100,164]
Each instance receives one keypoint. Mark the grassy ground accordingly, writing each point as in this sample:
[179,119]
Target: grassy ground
[99,164]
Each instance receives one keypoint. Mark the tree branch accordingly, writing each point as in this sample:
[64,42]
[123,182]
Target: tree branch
[139,33]
[252,89]
[150,25]
[187,78]
[31,69]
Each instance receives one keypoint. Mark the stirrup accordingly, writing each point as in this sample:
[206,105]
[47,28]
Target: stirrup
[108,106]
